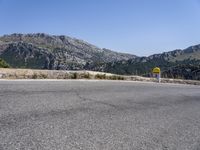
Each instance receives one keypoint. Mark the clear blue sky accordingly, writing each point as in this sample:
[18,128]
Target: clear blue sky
[141,27]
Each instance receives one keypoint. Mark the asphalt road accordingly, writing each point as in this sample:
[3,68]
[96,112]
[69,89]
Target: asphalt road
[90,115]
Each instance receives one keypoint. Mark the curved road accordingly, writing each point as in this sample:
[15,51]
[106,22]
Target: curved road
[90,115]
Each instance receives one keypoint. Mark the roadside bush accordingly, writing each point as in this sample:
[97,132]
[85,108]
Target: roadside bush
[3,64]
[34,76]
[114,77]
[120,78]
[86,76]
[74,75]
[100,76]
[66,76]
[44,76]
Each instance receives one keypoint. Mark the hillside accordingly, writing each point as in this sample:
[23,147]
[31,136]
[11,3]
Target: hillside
[184,64]
[43,51]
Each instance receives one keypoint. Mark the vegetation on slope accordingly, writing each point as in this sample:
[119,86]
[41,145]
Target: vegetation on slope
[3,64]
[187,69]
[43,51]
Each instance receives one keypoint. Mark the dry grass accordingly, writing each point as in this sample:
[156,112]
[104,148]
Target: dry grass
[6,73]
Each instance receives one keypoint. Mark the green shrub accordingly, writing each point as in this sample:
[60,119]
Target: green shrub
[74,75]
[86,76]
[34,76]
[43,76]
[100,76]
[114,77]
[3,64]
[120,78]
[66,76]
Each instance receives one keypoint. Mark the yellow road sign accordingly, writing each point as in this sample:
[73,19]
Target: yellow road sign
[156,70]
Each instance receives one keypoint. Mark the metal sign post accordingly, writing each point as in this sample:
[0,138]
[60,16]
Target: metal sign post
[157,74]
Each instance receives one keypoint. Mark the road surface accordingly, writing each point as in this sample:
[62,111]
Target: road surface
[92,115]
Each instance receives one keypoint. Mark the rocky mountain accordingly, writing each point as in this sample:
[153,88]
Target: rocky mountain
[184,64]
[43,51]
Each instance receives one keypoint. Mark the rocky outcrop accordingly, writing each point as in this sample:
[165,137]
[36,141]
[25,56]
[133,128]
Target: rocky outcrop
[25,55]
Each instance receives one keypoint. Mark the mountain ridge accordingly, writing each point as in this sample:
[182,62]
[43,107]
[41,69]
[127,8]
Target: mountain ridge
[67,52]
[174,64]
[44,51]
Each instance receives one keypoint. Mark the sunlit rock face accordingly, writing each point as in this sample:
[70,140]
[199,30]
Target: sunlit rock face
[45,51]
